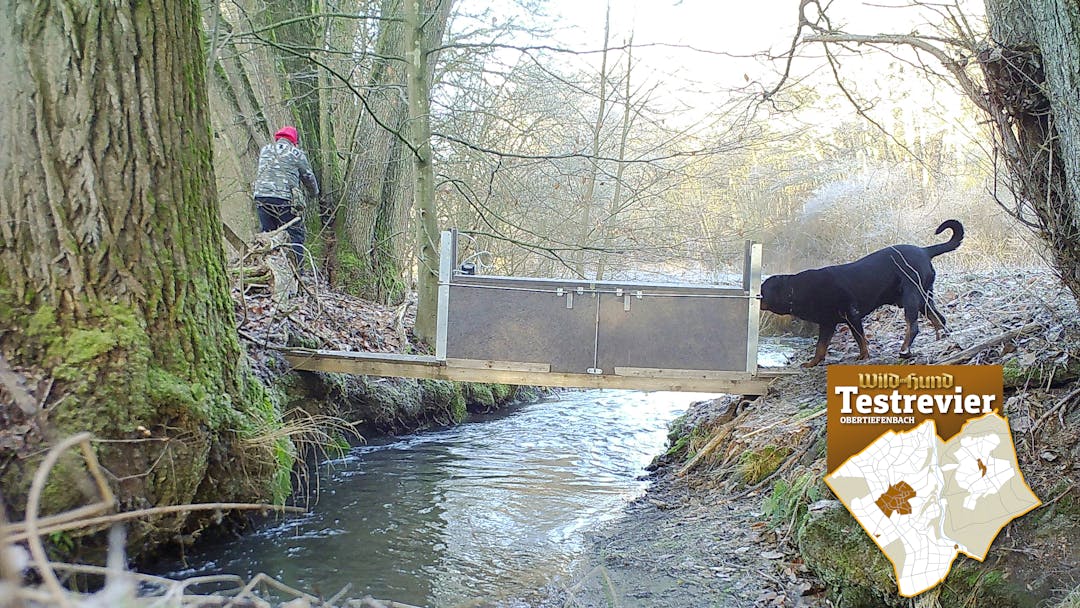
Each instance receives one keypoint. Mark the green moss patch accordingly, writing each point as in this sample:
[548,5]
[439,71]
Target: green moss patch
[479,394]
[789,500]
[399,405]
[1016,375]
[113,375]
[756,465]
[971,583]
[459,409]
[857,573]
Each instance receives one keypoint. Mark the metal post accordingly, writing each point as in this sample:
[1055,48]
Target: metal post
[447,260]
[752,285]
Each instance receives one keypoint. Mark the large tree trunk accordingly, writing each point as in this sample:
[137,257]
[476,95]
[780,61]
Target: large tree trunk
[374,233]
[112,276]
[1032,72]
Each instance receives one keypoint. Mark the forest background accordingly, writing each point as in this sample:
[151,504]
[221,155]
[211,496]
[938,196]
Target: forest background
[636,139]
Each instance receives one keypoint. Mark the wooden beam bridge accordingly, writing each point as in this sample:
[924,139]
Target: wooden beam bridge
[586,334]
[466,370]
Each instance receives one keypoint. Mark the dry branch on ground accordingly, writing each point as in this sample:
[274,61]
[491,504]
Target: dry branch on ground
[311,313]
[22,552]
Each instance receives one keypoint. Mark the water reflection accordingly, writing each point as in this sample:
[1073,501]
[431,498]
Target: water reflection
[478,512]
[470,514]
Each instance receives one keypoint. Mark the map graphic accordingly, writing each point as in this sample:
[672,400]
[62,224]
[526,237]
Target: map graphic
[924,500]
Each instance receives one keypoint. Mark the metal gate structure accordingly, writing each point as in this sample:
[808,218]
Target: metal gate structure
[579,333]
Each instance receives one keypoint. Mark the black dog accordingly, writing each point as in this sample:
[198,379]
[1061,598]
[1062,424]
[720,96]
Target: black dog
[901,275]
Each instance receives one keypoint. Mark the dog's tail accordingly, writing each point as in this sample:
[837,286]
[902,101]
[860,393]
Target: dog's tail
[954,242]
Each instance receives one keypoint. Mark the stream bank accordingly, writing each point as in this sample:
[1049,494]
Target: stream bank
[322,414]
[191,445]
[737,514]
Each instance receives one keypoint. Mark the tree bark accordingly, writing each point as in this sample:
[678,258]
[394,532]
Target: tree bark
[112,273]
[374,236]
[1032,70]
[370,229]
[427,226]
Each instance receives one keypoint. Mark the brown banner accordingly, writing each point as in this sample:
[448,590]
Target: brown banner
[865,401]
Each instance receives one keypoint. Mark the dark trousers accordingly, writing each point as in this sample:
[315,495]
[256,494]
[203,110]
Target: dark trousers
[275,213]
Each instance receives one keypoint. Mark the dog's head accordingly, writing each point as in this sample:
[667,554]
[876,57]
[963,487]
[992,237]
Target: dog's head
[777,296]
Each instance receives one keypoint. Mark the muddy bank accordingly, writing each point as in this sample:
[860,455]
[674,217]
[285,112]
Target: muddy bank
[681,550]
[686,544]
[738,514]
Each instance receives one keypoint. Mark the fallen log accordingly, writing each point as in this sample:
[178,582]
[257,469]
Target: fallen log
[968,353]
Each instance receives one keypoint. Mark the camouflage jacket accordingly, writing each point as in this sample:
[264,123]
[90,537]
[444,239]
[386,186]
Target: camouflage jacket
[282,166]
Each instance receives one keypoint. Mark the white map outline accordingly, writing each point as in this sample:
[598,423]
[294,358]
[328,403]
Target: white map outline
[925,549]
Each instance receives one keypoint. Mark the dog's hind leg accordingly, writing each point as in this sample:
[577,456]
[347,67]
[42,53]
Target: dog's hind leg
[825,334]
[936,318]
[913,304]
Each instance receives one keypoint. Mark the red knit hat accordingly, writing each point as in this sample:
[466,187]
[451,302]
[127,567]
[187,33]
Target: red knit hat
[288,133]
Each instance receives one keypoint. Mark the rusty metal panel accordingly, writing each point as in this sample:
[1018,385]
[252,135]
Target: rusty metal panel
[674,332]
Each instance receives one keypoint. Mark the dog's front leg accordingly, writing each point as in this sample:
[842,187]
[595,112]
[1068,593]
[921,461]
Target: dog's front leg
[854,321]
[825,334]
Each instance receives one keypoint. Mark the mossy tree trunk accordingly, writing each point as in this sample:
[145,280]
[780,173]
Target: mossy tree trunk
[427,227]
[375,248]
[372,232]
[112,272]
[1032,71]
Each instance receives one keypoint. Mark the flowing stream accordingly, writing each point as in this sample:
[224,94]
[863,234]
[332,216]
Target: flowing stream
[479,512]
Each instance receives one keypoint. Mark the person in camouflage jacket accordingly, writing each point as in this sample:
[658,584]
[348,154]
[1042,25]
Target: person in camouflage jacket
[282,167]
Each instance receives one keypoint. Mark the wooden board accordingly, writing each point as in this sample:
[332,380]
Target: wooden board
[410,366]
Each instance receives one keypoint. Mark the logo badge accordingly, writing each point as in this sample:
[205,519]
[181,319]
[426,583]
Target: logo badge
[924,460]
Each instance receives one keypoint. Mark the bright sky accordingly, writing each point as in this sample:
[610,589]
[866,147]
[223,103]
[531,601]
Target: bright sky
[706,23]
[732,31]
[736,28]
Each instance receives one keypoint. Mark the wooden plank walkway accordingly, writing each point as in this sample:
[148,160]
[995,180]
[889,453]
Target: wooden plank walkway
[529,374]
